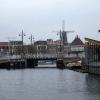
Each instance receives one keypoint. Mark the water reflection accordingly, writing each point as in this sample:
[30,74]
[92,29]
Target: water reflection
[93,83]
[48,84]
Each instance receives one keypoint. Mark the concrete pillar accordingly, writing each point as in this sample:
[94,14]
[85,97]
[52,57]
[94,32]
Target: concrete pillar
[30,63]
[35,62]
[60,64]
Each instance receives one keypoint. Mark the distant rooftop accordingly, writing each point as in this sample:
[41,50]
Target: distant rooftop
[40,43]
[77,41]
[3,43]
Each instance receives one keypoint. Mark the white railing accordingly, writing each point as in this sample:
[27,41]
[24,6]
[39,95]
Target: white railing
[41,56]
[4,57]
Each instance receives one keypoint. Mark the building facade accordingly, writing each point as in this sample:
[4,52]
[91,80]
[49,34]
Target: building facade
[92,56]
[77,47]
[41,47]
[4,48]
[54,47]
[11,47]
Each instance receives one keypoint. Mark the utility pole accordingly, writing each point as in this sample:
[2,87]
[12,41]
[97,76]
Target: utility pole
[22,37]
[31,40]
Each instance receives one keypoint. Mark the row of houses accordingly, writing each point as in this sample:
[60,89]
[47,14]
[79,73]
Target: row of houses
[10,47]
[40,47]
[75,48]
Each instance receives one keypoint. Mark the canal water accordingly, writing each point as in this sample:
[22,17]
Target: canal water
[48,84]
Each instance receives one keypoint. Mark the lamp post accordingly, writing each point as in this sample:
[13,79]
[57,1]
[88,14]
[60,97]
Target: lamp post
[31,40]
[22,37]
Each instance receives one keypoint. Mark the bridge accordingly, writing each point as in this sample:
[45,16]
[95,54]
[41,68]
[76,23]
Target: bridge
[42,57]
[31,61]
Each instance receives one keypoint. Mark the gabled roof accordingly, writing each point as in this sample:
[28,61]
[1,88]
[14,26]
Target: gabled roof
[77,41]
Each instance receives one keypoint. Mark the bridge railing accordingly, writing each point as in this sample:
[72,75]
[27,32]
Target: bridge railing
[41,56]
[35,56]
[7,57]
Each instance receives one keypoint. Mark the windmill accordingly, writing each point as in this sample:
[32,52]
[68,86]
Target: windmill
[64,39]
[64,33]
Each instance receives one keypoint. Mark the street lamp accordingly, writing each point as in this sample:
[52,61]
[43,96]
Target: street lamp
[31,40]
[60,37]
[22,37]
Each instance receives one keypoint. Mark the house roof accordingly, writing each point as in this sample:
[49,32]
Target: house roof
[40,43]
[3,43]
[15,42]
[77,41]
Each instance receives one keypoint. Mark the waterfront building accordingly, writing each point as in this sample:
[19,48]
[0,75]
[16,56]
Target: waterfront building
[4,48]
[11,47]
[15,47]
[77,47]
[51,46]
[59,46]
[41,47]
[54,47]
[92,56]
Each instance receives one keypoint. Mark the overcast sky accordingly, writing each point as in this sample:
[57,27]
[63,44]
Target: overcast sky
[41,17]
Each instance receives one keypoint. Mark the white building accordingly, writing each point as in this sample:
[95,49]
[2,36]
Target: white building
[77,47]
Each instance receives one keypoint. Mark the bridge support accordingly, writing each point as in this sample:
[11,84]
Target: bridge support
[31,63]
[35,62]
[60,64]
